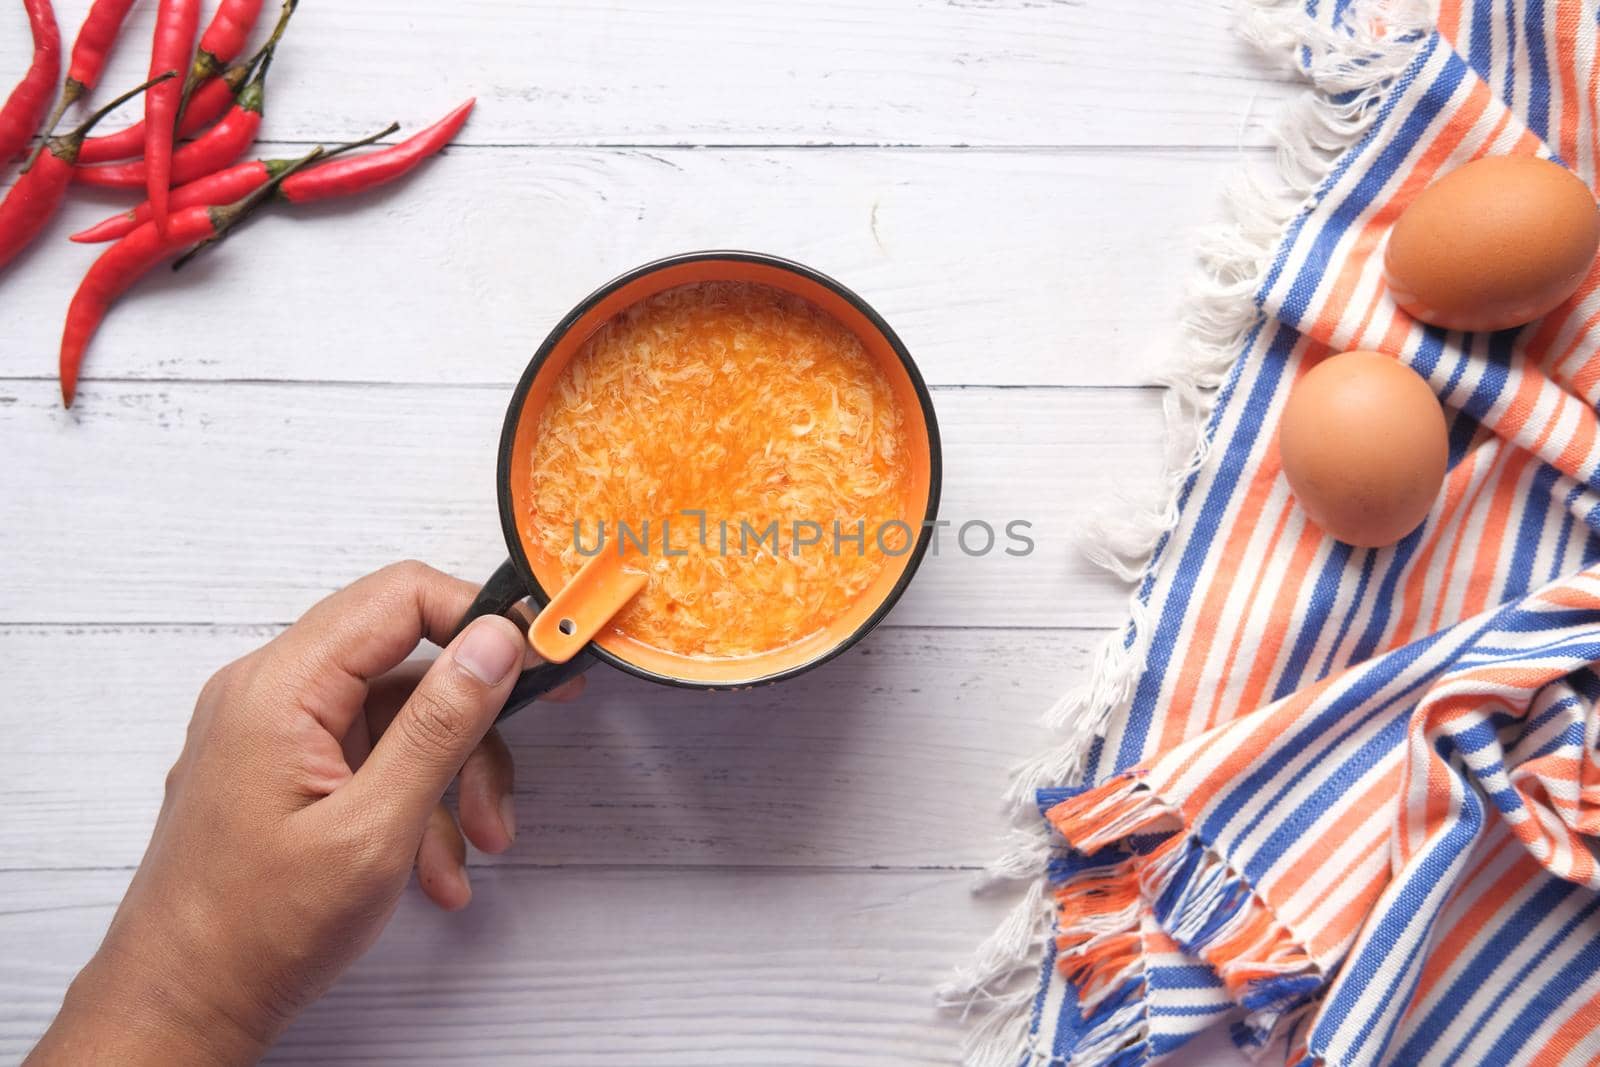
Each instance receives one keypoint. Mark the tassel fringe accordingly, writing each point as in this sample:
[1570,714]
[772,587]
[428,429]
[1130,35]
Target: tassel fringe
[1349,69]
[1208,909]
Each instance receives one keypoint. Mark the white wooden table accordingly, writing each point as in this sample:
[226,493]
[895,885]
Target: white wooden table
[773,877]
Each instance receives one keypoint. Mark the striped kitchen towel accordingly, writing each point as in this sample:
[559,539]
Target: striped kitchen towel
[1344,802]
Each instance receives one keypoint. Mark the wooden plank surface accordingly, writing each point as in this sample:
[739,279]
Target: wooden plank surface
[678,967]
[795,968]
[646,72]
[779,876]
[916,727]
[693,968]
[996,267]
[244,503]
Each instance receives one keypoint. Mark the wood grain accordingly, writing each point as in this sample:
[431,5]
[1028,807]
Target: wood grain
[609,968]
[699,72]
[244,503]
[764,877]
[891,755]
[996,268]
[809,968]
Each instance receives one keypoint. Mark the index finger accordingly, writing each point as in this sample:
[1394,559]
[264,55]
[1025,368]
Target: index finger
[365,629]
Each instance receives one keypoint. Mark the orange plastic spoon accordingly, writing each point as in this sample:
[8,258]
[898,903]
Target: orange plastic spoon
[600,589]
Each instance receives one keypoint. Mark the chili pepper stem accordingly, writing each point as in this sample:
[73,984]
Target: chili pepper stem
[255,68]
[66,146]
[71,92]
[277,168]
[371,138]
[205,65]
[227,217]
[263,57]
[282,24]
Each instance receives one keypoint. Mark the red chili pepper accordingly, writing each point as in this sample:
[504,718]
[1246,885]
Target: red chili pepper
[216,148]
[125,262]
[223,39]
[37,194]
[113,273]
[209,103]
[223,187]
[322,182]
[176,21]
[90,52]
[28,102]
[92,47]
[360,173]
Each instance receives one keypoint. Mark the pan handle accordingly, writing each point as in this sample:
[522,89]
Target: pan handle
[503,594]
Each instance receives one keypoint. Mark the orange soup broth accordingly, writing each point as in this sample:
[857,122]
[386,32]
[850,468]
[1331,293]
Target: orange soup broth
[753,406]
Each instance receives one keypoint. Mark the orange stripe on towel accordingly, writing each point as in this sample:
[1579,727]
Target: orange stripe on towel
[1450,20]
[1380,794]
[1248,611]
[1568,19]
[1464,933]
[1581,1024]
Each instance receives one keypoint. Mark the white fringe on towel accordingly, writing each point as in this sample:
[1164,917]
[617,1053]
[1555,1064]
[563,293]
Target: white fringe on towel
[1349,69]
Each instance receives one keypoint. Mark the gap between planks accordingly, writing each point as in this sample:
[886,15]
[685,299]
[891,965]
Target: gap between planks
[509,384]
[597,868]
[1262,151]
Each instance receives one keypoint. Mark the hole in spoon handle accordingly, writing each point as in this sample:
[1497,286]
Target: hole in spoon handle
[600,589]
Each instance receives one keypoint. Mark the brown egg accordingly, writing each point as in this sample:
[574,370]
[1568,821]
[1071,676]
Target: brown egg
[1364,447]
[1495,243]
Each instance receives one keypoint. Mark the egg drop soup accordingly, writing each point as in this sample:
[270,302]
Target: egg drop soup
[752,406]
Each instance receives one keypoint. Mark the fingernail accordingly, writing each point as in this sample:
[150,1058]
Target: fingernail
[489,650]
[508,816]
[466,883]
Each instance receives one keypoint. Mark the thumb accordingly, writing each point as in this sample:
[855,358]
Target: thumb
[443,720]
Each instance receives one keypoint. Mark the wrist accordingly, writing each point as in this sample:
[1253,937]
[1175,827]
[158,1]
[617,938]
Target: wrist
[125,1010]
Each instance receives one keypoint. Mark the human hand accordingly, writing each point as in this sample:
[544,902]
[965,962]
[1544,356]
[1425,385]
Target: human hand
[310,781]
